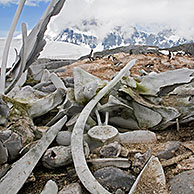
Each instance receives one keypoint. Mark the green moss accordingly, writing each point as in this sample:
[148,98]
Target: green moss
[18,107]
[140,89]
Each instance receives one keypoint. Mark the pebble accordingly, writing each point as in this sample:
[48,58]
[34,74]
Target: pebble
[113,178]
[169,150]
[4,135]
[4,112]
[73,188]
[63,138]
[140,160]
[50,188]
[183,183]
[3,154]
[13,145]
[111,150]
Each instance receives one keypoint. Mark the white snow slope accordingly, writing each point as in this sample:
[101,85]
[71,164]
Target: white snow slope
[52,50]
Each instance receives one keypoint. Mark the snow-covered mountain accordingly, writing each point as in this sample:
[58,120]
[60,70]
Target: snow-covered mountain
[115,38]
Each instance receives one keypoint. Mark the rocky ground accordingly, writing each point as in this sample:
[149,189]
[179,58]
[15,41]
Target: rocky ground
[173,146]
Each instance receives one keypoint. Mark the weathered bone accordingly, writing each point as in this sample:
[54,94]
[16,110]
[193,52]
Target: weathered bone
[23,59]
[79,160]
[7,45]
[12,182]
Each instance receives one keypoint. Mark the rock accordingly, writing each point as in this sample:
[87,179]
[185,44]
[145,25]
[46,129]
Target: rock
[56,157]
[139,136]
[151,179]
[3,154]
[4,112]
[113,178]
[124,152]
[73,188]
[169,150]
[111,150]
[63,138]
[140,160]
[50,188]
[105,133]
[4,135]
[182,183]
[116,162]
[13,145]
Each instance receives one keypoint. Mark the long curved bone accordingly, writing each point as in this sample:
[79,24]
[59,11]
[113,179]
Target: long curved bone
[7,45]
[23,59]
[83,172]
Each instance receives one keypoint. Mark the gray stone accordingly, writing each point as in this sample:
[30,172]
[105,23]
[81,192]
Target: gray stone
[111,150]
[50,188]
[113,178]
[169,150]
[13,145]
[3,154]
[4,135]
[73,188]
[63,138]
[56,157]
[4,112]
[140,160]
[183,183]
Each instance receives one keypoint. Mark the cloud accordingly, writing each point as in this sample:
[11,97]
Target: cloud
[151,15]
[28,2]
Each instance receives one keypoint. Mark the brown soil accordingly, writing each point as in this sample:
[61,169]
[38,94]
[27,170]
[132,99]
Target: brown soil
[105,68]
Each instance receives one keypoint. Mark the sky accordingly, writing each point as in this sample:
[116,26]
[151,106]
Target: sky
[149,15]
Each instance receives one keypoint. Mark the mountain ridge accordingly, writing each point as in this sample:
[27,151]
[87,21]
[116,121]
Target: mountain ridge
[117,37]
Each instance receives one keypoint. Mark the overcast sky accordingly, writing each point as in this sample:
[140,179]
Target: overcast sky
[152,15]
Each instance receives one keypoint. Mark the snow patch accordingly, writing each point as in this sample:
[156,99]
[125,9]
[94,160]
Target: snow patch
[52,50]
